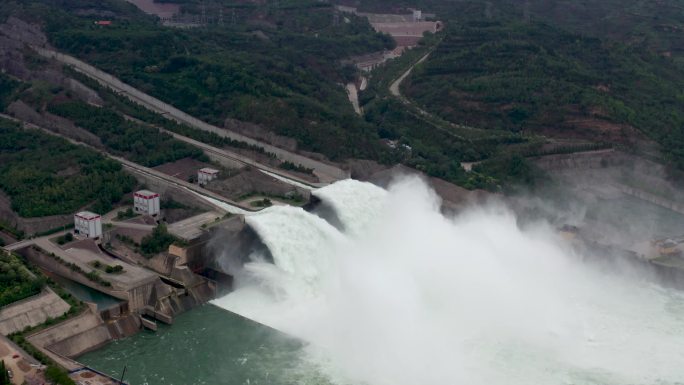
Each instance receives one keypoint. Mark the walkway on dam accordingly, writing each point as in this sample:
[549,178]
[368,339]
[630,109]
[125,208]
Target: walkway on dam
[326,173]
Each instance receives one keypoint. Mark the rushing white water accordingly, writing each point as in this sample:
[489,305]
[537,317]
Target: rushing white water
[356,203]
[406,296]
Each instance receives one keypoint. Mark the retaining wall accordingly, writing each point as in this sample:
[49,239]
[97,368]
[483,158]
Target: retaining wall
[31,311]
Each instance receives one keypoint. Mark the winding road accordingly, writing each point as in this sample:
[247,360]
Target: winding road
[394,87]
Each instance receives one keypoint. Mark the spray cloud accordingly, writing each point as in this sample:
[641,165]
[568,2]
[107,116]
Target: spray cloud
[403,295]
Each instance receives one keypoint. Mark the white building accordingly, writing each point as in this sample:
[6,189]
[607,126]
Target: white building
[88,224]
[206,175]
[146,202]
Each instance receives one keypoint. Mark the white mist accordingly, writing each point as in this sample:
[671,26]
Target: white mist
[406,296]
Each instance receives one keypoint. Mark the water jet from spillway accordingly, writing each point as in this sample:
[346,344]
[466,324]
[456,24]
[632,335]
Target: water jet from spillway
[403,295]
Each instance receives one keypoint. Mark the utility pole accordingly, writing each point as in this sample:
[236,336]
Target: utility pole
[203,18]
[122,375]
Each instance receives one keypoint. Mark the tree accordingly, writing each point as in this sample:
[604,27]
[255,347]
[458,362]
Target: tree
[4,376]
[158,241]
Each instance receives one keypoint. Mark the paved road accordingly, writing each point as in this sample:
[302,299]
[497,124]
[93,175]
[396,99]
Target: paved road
[221,203]
[353,97]
[19,245]
[394,87]
[31,241]
[327,173]
[282,176]
[395,90]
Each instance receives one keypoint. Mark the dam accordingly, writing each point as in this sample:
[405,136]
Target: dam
[377,286]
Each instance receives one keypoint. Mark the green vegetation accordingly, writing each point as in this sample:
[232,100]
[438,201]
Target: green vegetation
[158,241]
[11,230]
[125,214]
[9,88]
[493,85]
[507,172]
[127,240]
[535,78]
[138,143]
[261,203]
[279,66]
[428,143]
[4,375]
[127,107]
[109,269]
[293,198]
[600,70]
[19,338]
[58,375]
[296,167]
[66,238]
[91,275]
[16,283]
[45,175]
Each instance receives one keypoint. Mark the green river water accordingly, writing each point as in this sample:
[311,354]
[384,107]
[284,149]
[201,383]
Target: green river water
[207,345]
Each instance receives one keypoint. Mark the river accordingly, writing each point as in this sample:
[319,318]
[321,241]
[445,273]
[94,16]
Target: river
[382,288]
[207,345]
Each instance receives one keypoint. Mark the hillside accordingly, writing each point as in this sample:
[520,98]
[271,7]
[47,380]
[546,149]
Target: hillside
[656,26]
[537,78]
[494,86]
[277,66]
[45,175]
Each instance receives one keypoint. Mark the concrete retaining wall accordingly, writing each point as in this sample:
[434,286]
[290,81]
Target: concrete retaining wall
[652,198]
[584,160]
[50,264]
[65,330]
[30,225]
[31,312]
[140,296]
[83,342]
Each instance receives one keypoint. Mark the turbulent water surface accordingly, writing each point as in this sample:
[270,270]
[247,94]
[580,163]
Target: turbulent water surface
[398,294]
[207,346]
[382,289]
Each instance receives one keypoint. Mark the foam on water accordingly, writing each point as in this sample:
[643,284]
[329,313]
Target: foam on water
[407,296]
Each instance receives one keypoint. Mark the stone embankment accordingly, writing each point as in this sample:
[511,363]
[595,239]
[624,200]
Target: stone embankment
[31,312]
[652,198]
[68,339]
[588,160]
[629,174]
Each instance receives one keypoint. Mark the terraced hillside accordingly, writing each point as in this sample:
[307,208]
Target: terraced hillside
[537,78]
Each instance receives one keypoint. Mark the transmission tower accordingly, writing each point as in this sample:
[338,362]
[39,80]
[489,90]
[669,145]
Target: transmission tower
[220,18]
[488,10]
